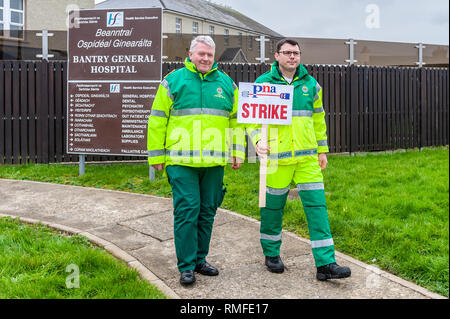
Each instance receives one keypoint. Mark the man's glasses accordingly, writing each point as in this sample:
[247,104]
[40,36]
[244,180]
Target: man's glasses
[289,53]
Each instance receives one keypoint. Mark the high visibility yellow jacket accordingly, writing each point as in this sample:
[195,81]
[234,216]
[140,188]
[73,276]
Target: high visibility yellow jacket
[307,133]
[193,122]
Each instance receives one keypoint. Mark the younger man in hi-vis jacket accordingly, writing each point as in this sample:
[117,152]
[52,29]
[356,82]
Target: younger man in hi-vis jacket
[298,151]
[189,136]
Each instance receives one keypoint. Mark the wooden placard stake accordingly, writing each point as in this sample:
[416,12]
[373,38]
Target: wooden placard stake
[263,168]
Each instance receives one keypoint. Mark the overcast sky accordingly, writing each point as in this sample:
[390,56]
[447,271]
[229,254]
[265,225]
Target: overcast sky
[381,20]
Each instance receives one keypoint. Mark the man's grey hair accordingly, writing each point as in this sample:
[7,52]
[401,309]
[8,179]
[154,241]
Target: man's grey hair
[206,39]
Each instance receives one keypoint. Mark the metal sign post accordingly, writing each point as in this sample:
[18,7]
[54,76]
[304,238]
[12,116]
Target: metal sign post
[151,173]
[81,165]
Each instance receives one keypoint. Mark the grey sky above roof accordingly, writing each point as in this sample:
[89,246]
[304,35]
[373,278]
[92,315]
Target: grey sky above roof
[410,21]
[198,8]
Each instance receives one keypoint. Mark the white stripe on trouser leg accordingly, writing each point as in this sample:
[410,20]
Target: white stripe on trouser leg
[309,186]
[271,237]
[322,243]
[277,191]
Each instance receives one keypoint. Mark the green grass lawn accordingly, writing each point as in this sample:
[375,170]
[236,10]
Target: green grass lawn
[386,209]
[37,262]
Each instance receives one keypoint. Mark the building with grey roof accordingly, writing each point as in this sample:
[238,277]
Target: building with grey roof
[183,19]
[201,10]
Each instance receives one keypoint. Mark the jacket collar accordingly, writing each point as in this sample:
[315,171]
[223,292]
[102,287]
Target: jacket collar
[300,73]
[191,67]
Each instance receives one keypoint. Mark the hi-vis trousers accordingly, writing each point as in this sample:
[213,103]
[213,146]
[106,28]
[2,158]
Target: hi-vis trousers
[308,177]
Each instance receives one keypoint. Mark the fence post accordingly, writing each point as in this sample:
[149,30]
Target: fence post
[43,107]
[423,108]
[354,122]
[2,114]
[42,111]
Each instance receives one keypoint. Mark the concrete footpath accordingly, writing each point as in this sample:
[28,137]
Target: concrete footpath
[139,230]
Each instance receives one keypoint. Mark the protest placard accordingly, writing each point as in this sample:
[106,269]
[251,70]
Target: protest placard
[264,103]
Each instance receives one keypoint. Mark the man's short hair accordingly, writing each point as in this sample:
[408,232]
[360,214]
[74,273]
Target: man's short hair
[284,41]
[206,39]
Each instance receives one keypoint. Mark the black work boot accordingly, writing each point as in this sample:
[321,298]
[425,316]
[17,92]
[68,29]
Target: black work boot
[187,277]
[274,264]
[332,271]
[206,269]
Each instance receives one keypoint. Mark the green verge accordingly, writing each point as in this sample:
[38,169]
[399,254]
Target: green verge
[386,209]
[37,262]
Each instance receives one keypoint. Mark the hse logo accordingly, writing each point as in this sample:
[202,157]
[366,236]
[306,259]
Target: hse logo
[219,93]
[265,91]
[114,19]
[114,88]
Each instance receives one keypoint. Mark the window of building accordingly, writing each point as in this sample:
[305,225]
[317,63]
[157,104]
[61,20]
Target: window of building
[178,25]
[226,37]
[12,17]
[194,27]
[211,30]
[240,39]
[250,42]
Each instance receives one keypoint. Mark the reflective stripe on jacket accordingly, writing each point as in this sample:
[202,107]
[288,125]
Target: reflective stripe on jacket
[192,119]
[307,133]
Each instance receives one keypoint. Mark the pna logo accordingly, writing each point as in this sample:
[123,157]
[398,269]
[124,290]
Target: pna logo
[265,90]
[114,19]
[114,88]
